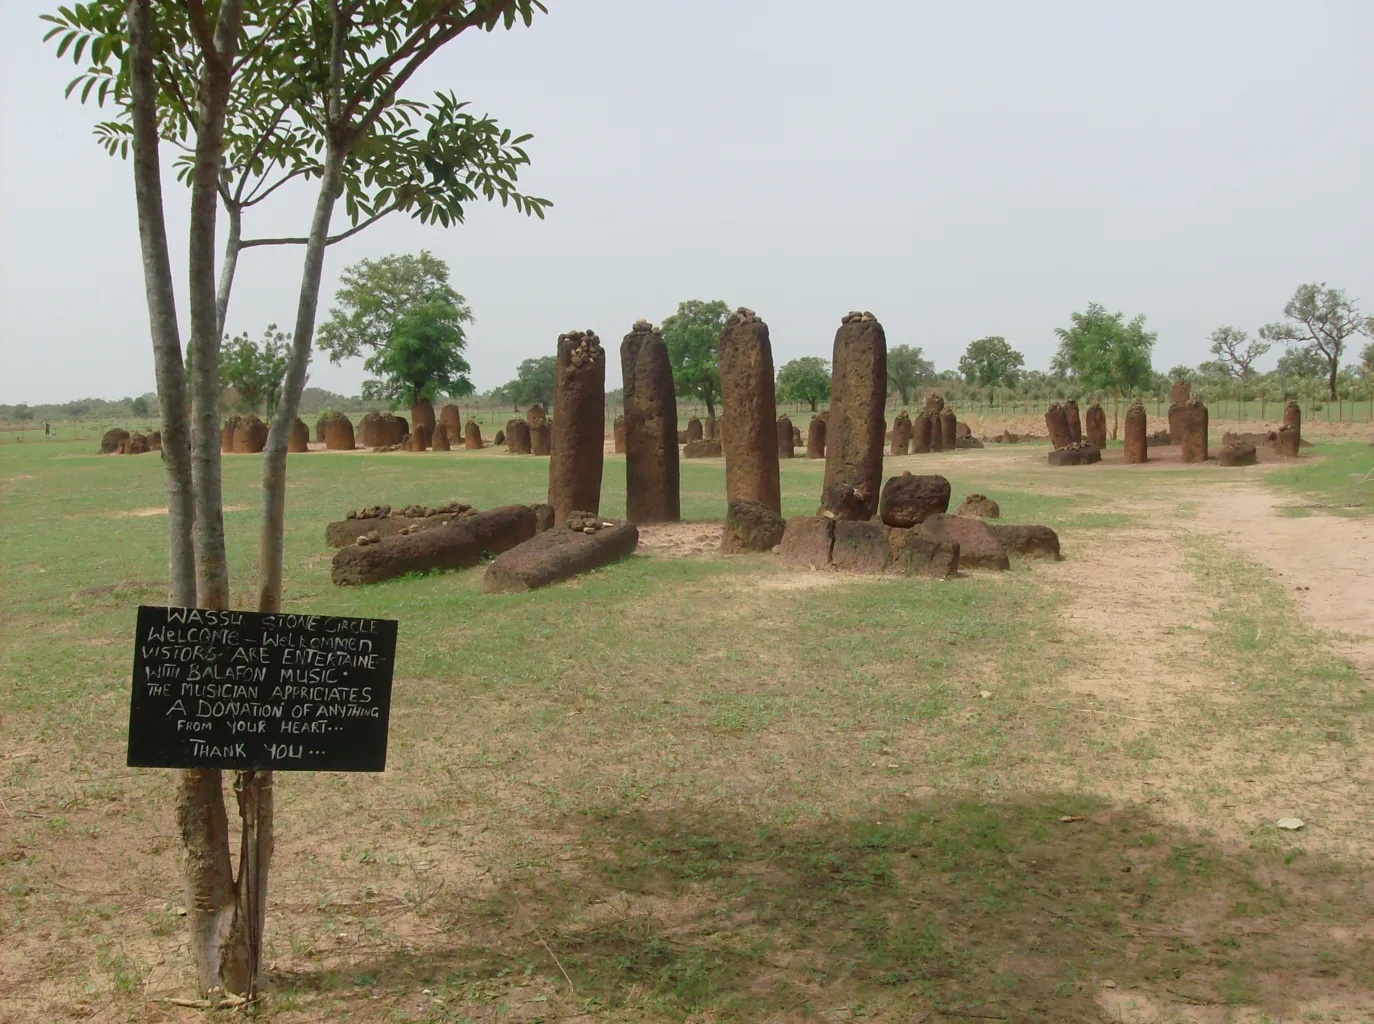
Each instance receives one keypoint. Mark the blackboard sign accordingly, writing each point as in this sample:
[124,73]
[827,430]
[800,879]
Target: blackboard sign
[244,690]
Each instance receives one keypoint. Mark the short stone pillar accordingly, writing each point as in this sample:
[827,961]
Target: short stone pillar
[518,439]
[226,434]
[749,420]
[1292,417]
[1057,424]
[338,433]
[1136,448]
[299,439]
[1192,422]
[1179,394]
[422,415]
[694,430]
[541,437]
[934,404]
[901,434]
[815,436]
[419,437]
[1074,421]
[579,425]
[452,419]
[937,430]
[439,439]
[472,435]
[949,429]
[1095,426]
[922,431]
[649,428]
[854,433]
[509,432]
[535,413]
[787,443]
[319,428]
[1287,440]
[709,428]
[618,428]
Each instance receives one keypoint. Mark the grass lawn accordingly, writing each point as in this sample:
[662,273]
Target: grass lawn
[698,788]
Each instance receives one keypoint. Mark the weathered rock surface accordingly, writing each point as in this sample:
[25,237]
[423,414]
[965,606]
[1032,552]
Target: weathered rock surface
[750,526]
[1287,440]
[581,543]
[111,440]
[702,450]
[226,434]
[750,417]
[949,430]
[854,428]
[1135,444]
[519,440]
[250,436]
[1241,453]
[1095,426]
[979,548]
[695,431]
[787,442]
[807,540]
[908,499]
[439,439]
[1192,426]
[452,419]
[338,433]
[647,433]
[1030,541]
[579,425]
[1057,423]
[922,431]
[1074,421]
[422,415]
[861,546]
[901,434]
[472,436]
[815,437]
[299,439]
[979,506]
[459,545]
[1080,454]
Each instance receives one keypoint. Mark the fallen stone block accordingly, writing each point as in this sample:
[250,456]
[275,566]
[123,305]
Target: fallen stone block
[750,526]
[1028,540]
[910,498]
[702,450]
[1081,454]
[459,545]
[579,544]
[861,547]
[979,548]
[916,554]
[806,542]
[979,506]
[1241,453]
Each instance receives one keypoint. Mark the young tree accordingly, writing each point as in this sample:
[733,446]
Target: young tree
[1236,352]
[907,368]
[533,383]
[805,379]
[1104,353]
[692,336]
[1365,367]
[174,70]
[255,371]
[374,296]
[1322,319]
[1301,362]
[139,406]
[423,358]
[991,363]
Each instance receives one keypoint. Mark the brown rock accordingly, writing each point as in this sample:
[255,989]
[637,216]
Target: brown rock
[472,435]
[949,430]
[815,437]
[226,433]
[979,548]
[541,437]
[422,415]
[1095,426]
[749,421]
[419,438]
[1136,447]
[1179,392]
[370,433]
[299,439]
[559,553]
[916,554]
[979,506]
[787,440]
[347,531]
[702,450]
[519,439]
[1175,424]
[1192,425]
[498,440]
[338,433]
[1029,541]
[579,425]
[695,432]
[510,431]
[452,419]
[1075,423]
[535,413]
[861,547]
[750,526]
[461,544]
[136,445]
[1057,423]
[250,436]
[1080,454]
[319,428]
[1286,441]
[934,404]
[922,433]
[647,433]
[155,440]
[709,429]
[854,429]
[901,434]
[807,540]
[909,499]
[1292,418]
[618,433]
[543,517]
[111,440]
[439,439]
[1241,453]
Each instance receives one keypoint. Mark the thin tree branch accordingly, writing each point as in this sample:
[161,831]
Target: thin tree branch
[253,242]
[255,198]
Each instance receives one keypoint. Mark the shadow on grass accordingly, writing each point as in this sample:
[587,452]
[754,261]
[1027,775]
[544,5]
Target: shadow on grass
[1010,909]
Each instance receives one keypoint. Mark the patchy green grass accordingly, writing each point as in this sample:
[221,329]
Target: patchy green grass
[1342,474]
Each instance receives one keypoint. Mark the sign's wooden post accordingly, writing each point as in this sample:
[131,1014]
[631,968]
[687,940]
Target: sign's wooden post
[259,693]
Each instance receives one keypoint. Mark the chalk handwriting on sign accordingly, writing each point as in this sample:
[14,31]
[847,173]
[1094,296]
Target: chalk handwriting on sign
[243,690]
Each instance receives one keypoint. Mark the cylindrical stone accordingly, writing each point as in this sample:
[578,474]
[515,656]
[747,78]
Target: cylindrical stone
[694,430]
[937,430]
[1176,422]
[510,435]
[535,413]
[1075,422]
[749,420]
[579,425]
[1193,431]
[949,429]
[518,439]
[1292,417]
[422,415]
[1095,426]
[299,438]
[709,429]
[1057,424]
[1287,440]
[815,436]
[419,437]
[786,439]
[922,430]
[854,433]
[1136,450]
[338,433]
[618,429]
[1179,392]
[901,433]
[452,419]
[541,437]
[472,435]
[647,433]
[439,439]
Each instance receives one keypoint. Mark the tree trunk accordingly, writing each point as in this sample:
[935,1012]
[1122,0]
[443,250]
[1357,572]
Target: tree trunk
[813,405]
[1331,379]
[1116,411]
[233,245]
[710,408]
[162,314]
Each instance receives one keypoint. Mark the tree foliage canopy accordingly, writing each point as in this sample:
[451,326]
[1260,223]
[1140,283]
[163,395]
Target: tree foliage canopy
[805,379]
[374,296]
[991,363]
[1236,352]
[692,336]
[1103,352]
[1322,320]
[423,358]
[907,369]
[255,371]
[533,383]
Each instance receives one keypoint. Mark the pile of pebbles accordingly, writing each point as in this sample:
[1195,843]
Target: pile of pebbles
[585,522]
[854,315]
[586,348]
[371,512]
[370,537]
[743,315]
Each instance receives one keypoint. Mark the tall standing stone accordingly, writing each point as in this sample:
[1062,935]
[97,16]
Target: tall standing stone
[1179,394]
[787,443]
[1095,426]
[648,429]
[1192,424]
[1136,448]
[922,432]
[535,413]
[422,415]
[579,425]
[1074,421]
[1292,417]
[815,436]
[694,430]
[901,433]
[452,419]
[618,428]
[472,435]
[949,429]
[439,439]
[1057,424]
[854,432]
[749,420]
[338,433]
[709,428]
[541,437]
[519,438]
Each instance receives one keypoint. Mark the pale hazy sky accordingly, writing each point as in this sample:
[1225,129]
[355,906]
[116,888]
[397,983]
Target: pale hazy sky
[961,169]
